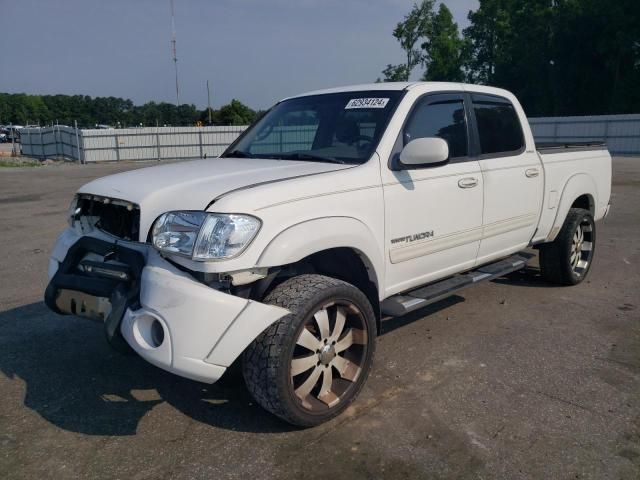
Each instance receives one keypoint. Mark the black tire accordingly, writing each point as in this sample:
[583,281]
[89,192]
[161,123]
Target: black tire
[268,363]
[560,261]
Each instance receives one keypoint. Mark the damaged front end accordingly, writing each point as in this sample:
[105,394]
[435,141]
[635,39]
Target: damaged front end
[167,314]
[97,280]
[113,216]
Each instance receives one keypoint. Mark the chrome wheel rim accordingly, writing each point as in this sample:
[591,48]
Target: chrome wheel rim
[329,356]
[581,248]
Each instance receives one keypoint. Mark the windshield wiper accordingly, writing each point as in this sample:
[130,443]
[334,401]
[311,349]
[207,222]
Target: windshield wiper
[239,154]
[308,156]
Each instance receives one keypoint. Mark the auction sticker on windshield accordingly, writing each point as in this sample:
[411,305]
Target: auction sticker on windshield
[367,103]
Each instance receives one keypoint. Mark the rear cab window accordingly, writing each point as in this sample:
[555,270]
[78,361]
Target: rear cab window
[499,129]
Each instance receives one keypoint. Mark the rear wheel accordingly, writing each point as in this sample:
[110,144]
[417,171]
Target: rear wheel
[568,258]
[310,365]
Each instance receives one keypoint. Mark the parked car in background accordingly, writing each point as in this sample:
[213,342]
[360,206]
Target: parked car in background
[335,209]
[12,132]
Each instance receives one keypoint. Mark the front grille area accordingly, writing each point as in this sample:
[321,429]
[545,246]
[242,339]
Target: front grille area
[116,217]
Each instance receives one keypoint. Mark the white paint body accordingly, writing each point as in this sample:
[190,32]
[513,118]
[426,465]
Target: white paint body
[479,211]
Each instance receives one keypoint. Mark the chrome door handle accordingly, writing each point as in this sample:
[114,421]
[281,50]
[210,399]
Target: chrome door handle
[532,172]
[468,182]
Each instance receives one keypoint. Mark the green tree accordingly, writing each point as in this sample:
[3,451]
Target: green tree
[395,73]
[443,49]
[560,57]
[235,113]
[483,34]
[408,33]
[88,112]
[596,56]
[510,47]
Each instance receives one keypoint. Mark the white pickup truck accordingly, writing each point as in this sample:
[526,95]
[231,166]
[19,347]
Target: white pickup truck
[334,210]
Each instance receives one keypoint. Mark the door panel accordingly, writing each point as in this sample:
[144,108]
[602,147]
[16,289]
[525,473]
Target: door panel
[433,226]
[433,215]
[513,179]
[511,205]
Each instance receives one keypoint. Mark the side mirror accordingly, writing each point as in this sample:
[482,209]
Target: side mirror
[424,152]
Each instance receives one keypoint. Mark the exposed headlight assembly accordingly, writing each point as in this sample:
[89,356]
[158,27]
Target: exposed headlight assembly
[74,211]
[204,236]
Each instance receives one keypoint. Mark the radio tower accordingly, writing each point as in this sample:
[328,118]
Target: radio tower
[173,51]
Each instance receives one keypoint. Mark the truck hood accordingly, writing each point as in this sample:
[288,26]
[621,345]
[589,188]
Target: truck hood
[194,185]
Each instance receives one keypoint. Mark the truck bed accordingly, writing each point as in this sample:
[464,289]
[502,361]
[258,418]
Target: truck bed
[560,147]
[569,169]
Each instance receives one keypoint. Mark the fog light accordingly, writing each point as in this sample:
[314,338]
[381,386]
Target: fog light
[157,333]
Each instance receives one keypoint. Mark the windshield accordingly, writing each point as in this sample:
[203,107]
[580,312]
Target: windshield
[336,127]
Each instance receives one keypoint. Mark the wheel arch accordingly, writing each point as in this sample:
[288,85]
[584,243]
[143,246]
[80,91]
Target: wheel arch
[312,237]
[580,191]
[338,247]
[585,202]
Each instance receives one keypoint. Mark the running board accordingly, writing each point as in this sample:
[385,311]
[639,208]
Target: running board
[421,297]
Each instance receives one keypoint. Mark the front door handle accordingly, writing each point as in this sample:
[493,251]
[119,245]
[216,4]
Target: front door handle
[468,182]
[532,172]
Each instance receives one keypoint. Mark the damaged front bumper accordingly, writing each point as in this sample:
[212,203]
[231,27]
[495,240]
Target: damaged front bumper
[169,318]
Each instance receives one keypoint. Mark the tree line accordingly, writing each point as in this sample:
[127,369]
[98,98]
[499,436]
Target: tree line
[559,57]
[23,109]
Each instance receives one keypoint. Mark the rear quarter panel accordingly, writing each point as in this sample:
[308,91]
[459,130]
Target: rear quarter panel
[568,175]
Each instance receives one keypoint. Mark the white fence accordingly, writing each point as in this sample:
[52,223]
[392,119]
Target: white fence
[620,132]
[151,143]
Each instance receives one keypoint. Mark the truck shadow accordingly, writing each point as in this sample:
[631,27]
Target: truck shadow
[73,379]
[528,277]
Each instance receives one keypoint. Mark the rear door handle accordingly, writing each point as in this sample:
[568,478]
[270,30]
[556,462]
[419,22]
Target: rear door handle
[532,172]
[468,182]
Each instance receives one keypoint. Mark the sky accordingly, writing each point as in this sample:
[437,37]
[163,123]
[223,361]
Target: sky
[257,51]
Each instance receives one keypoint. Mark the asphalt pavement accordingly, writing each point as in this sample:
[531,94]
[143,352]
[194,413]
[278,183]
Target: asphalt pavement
[513,379]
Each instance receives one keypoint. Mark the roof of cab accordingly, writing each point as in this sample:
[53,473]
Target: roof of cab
[404,86]
[356,88]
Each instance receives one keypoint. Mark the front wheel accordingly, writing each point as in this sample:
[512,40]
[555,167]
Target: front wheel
[310,365]
[568,258]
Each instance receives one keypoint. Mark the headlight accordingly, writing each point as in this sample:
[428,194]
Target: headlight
[177,232]
[204,236]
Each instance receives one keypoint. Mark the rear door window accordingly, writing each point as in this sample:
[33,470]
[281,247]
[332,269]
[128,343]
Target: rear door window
[498,124]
